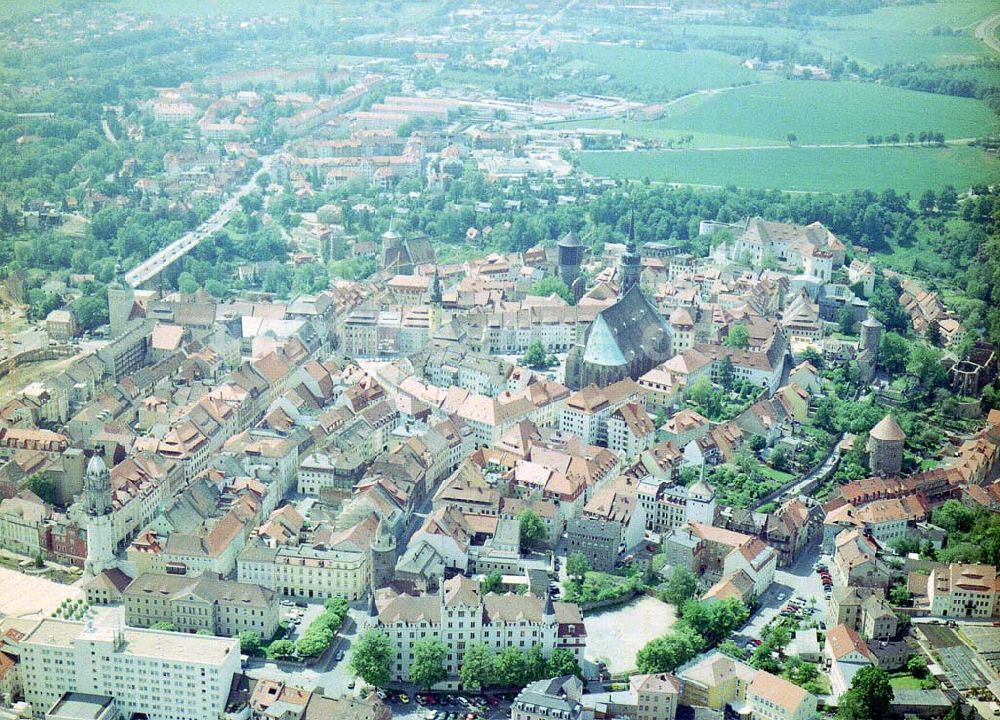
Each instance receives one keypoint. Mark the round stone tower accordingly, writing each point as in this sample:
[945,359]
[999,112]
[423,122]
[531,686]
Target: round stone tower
[570,258]
[885,447]
[383,555]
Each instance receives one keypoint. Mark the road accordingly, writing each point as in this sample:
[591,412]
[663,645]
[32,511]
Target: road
[797,580]
[987,32]
[180,247]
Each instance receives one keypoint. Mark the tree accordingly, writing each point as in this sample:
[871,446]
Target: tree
[187,284]
[934,333]
[664,654]
[792,138]
[532,527]
[562,662]
[700,391]
[478,668]
[577,566]
[372,657]
[535,357]
[954,516]
[205,632]
[713,621]
[845,319]
[42,485]
[947,199]
[894,353]
[681,586]
[954,713]
[927,202]
[281,649]
[314,641]
[917,666]
[813,356]
[249,642]
[870,695]
[738,337]
[511,668]
[726,377]
[491,583]
[90,312]
[535,665]
[778,458]
[899,595]
[549,285]
[427,668]
[925,364]
[164,625]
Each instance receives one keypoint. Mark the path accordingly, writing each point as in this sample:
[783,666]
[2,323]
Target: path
[107,132]
[987,32]
[551,18]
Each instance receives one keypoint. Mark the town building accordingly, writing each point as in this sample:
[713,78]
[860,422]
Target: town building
[963,591]
[161,675]
[460,615]
[204,602]
[548,699]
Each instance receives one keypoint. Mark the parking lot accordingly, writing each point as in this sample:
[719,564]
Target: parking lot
[799,580]
[437,706]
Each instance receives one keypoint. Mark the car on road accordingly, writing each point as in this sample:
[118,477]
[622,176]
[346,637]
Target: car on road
[781,596]
[404,698]
[350,685]
[339,656]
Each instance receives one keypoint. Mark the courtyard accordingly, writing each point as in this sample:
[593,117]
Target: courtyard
[616,635]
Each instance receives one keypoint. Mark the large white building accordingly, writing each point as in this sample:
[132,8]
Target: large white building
[460,616]
[163,675]
[963,591]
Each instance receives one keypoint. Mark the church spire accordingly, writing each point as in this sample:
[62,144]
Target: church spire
[631,263]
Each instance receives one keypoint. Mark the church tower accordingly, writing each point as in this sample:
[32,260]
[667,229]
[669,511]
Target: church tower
[383,555]
[630,265]
[435,297]
[97,505]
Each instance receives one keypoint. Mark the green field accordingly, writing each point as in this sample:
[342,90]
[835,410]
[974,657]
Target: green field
[872,48]
[816,112]
[662,74]
[910,170]
[921,17]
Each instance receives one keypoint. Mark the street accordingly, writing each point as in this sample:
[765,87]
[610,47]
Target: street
[799,580]
[326,673]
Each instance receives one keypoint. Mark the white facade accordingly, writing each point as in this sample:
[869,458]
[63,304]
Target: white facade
[166,676]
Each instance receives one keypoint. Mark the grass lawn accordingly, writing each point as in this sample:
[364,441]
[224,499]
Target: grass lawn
[836,170]
[905,681]
[659,74]
[777,475]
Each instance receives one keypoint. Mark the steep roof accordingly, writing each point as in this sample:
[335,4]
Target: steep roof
[888,430]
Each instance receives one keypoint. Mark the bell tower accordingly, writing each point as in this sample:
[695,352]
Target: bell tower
[630,266]
[97,503]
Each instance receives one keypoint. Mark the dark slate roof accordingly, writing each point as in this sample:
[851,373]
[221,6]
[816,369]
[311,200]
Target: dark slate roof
[630,328]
